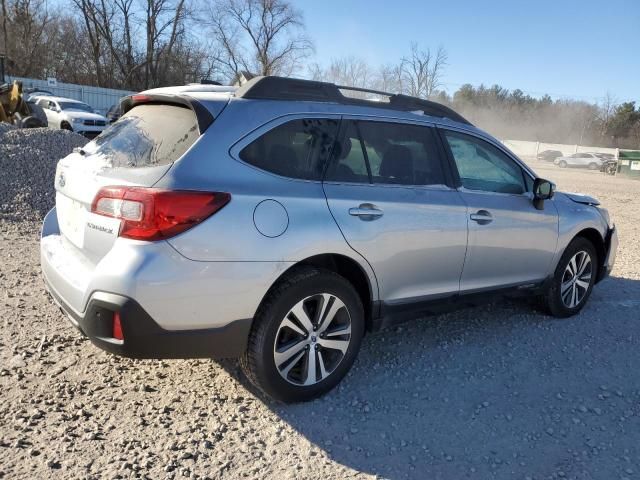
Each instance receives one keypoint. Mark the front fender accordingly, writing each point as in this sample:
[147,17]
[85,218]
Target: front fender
[574,218]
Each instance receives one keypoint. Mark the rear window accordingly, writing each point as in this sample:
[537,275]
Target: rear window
[148,136]
[296,149]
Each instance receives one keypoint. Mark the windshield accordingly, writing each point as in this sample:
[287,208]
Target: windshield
[146,136]
[75,106]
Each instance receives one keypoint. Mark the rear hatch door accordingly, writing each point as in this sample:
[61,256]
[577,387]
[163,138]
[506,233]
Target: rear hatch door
[137,150]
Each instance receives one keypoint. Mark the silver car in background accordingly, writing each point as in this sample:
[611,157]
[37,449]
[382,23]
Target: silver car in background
[281,221]
[592,161]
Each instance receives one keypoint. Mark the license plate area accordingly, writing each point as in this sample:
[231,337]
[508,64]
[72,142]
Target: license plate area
[71,219]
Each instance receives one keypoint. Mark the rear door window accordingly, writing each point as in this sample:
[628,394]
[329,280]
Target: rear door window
[387,153]
[349,162]
[148,135]
[296,149]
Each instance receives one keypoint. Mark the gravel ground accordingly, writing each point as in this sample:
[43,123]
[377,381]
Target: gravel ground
[31,154]
[501,391]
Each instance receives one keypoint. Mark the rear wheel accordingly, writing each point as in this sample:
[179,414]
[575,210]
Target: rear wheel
[593,166]
[305,336]
[562,164]
[573,279]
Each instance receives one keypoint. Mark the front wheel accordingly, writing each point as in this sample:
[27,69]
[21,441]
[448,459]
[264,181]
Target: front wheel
[305,336]
[593,166]
[573,279]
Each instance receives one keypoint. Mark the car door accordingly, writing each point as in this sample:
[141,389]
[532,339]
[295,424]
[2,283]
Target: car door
[581,159]
[56,115]
[386,188]
[50,114]
[510,241]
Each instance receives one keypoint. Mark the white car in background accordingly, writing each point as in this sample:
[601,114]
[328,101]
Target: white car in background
[74,115]
[592,161]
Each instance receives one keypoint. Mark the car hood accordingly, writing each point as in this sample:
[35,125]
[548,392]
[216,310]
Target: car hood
[83,115]
[582,198]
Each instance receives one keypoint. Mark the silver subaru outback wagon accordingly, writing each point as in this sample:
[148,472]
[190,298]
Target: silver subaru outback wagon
[280,221]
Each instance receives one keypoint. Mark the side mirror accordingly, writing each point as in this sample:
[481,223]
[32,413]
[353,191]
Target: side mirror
[542,190]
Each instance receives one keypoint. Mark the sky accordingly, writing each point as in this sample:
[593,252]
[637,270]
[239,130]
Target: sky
[566,48]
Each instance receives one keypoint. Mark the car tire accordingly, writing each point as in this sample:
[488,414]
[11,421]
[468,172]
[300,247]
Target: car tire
[562,164]
[593,166]
[573,280]
[288,359]
[66,126]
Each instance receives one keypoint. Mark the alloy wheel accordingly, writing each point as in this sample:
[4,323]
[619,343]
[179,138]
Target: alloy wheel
[576,279]
[312,339]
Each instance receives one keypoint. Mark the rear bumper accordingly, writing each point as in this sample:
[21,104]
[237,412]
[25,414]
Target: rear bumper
[144,338]
[170,306]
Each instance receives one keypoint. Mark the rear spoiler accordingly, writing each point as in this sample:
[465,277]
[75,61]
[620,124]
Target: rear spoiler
[203,115]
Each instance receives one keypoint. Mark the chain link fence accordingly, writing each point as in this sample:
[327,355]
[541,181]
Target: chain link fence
[98,98]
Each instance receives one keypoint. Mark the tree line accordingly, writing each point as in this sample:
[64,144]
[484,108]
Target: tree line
[140,44]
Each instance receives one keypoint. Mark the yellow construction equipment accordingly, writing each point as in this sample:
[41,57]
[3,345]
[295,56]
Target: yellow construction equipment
[14,108]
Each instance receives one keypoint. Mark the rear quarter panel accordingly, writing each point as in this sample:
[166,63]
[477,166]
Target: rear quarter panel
[231,234]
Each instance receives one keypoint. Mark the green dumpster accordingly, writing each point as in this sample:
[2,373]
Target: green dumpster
[629,162]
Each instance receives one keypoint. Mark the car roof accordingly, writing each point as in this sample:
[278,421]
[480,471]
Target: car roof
[296,89]
[294,95]
[58,99]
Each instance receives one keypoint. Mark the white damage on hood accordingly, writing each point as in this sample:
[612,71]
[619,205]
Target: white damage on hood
[582,198]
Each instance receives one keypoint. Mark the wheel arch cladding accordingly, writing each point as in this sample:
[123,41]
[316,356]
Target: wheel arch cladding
[597,241]
[345,267]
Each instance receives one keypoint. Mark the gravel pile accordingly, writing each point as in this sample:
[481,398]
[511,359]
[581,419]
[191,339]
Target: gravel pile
[28,161]
[5,127]
[497,392]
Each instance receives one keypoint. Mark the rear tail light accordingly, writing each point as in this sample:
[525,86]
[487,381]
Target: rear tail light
[140,98]
[154,214]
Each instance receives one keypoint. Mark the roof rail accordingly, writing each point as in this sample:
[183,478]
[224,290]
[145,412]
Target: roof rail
[283,88]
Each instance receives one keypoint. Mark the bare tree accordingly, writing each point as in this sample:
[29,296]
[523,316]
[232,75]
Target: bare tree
[315,71]
[164,22]
[607,111]
[422,70]
[349,71]
[26,27]
[389,78]
[265,37]
[418,75]
[138,44]
[5,33]
[91,18]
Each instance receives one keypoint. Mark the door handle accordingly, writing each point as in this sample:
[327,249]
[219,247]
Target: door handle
[482,217]
[366,211]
